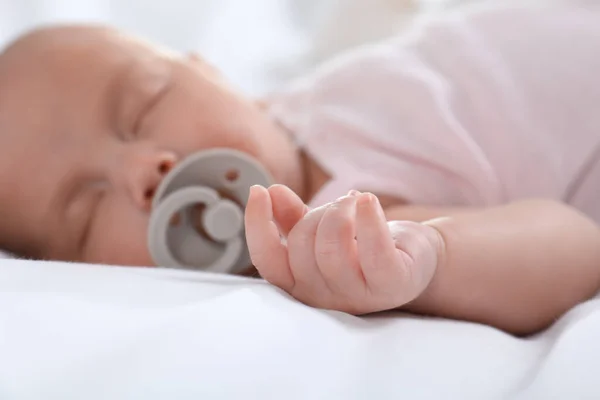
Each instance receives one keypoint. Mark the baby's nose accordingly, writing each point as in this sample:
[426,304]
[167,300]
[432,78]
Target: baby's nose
[145,171]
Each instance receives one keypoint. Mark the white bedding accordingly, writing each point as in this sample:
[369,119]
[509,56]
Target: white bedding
[82,332]
[79,332]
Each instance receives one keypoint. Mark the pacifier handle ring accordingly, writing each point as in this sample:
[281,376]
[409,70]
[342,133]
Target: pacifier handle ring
[161,218]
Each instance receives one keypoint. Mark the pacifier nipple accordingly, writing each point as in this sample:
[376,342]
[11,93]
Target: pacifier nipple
[197,219]
[223,221]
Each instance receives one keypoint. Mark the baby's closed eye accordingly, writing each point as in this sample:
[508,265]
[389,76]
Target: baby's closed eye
[82,211]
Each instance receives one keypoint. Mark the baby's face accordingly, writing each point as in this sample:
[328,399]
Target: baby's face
[90,122]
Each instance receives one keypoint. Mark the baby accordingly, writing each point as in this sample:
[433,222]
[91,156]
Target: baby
[453,171]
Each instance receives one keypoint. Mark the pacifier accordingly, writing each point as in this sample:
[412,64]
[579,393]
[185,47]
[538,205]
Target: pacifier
[197,219]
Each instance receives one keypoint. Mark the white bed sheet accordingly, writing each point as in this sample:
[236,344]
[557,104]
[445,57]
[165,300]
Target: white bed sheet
[70,331]
[79,332]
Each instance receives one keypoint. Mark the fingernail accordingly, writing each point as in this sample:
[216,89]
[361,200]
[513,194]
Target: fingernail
[366,199]
[353,193]
[255,188]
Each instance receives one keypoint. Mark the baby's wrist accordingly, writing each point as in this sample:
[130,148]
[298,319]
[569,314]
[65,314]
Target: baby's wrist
[422,249]
[437,241]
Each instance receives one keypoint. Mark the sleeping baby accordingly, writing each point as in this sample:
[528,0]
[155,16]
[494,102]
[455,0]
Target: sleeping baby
[452,171]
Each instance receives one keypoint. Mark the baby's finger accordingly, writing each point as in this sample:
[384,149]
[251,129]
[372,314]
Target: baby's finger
[336,251]
[288,208]
[376,250]
[268,254]
[310,284]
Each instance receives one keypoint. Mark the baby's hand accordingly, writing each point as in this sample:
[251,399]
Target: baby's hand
[342,256]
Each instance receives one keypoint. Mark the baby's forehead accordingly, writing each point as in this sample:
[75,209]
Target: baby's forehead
[50,52]
[61,61]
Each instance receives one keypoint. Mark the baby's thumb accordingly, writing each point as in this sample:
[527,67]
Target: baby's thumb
[288,208]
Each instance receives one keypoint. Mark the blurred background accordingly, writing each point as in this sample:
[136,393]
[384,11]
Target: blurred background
[257,43]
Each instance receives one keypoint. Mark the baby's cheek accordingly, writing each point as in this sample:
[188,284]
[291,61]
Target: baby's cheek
[118,237]
[116,248]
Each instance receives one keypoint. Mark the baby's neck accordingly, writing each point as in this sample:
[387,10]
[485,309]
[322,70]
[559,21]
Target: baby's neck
[307,177]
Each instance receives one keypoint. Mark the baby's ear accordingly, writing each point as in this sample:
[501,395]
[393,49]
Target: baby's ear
[261,104]
[195,58]
[204,66]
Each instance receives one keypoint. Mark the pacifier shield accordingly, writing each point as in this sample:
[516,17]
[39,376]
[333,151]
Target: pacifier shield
[215,184]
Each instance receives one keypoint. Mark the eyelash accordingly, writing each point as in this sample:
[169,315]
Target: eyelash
[147,109]
[133,131]
[135,128]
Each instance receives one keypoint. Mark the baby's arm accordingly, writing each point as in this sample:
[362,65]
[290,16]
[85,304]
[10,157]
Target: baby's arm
[517,267]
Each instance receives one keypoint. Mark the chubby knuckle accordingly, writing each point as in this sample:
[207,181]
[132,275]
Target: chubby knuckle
[346,201]
[299,238]
[375,256]
[345,223]
[339,221]
[328,250]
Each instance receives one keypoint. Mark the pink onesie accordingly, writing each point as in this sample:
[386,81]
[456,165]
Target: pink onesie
[482,107]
